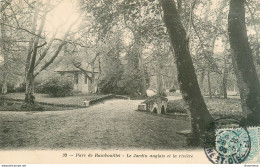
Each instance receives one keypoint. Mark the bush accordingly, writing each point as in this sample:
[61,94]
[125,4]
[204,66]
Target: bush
[20,88]
[111,85]
[57,86]
[37,87]
[10,88]
[177,106]
[172,89]
[31,107]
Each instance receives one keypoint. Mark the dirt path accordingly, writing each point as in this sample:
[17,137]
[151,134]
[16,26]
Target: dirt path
[112,125]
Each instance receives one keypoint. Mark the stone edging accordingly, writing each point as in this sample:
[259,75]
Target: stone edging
[91,102]
[111,96]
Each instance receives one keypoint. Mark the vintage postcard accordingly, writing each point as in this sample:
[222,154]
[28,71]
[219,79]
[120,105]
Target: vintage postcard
[129,82]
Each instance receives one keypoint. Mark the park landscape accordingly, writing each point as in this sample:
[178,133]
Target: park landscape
[82,74]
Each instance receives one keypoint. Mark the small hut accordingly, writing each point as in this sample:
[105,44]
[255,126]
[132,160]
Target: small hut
[83,81]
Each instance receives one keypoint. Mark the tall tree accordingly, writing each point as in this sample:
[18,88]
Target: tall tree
[32,53]
[227,66]
[201,118]
[244,67]
[3,53]
[111,76]
[11,49]
[207,32]
[136,16]
[34,56]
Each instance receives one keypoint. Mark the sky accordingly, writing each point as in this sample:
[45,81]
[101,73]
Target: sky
[64,14]
[67,12]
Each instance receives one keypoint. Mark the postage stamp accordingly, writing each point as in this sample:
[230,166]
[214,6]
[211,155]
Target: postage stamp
[235,145]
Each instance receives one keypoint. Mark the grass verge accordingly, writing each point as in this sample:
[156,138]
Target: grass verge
[216,106]
[9,105]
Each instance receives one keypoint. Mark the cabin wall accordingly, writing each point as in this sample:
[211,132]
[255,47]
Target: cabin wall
[82,85]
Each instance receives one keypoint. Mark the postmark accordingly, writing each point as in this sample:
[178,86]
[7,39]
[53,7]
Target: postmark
[234,145]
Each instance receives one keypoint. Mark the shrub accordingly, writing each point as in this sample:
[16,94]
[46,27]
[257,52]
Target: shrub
[31,107]
[10,88]
[57,86]
[177,106]
[37,87]
[20,88]
[172,89]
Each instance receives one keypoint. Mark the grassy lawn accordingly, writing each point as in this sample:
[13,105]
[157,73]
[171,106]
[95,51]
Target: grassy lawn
[216,106]
[70,100]
[7,105]
[231,106]
[113,124]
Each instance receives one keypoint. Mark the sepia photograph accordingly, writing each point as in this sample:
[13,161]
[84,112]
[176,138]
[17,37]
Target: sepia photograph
[130,81]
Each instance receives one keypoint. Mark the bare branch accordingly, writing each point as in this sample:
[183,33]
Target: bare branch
[52,59]
[30,48]
[23,29]
[4,5]
[256,32]
[17,22]
[83,70]
[190,18]
[36,41]
[39,46]
[58,49]
[46,50]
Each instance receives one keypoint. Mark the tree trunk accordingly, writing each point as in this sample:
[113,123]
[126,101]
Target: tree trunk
[174,73]
[244,67]
[257,54]
[32,53]
[160,84]
[93,77]
[141,66]
[201,120]
[3,53]
[201,80]
[92,82]
[143,90]
[179,2]
[29,97]
[209,85]
[4,84]
[30,47]
[224,82]
[138,47]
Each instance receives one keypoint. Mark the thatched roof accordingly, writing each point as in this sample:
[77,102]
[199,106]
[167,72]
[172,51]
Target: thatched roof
[71,68]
